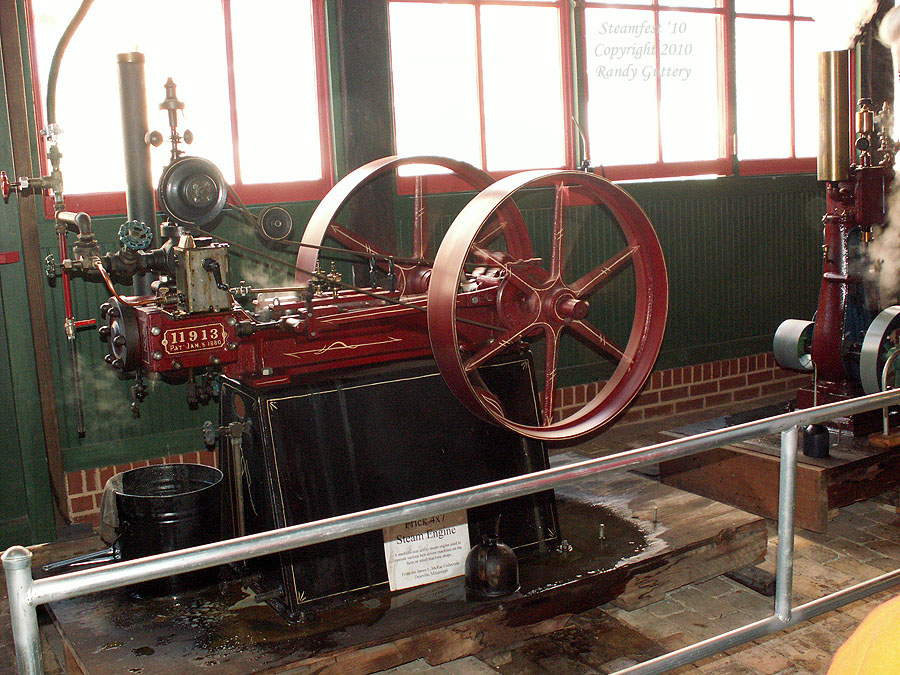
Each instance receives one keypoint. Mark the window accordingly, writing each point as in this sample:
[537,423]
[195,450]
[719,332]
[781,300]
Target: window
[776,86]
[482,81]
[263,124]
[491,82]
[656,87]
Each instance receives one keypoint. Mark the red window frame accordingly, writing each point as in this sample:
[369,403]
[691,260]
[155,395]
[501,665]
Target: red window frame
[446,183]
[109,203]
[792,164]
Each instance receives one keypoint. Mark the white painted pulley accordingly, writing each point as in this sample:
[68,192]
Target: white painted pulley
[792,344]
[876,348]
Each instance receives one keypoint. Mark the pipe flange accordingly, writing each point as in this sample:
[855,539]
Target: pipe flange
[793,343]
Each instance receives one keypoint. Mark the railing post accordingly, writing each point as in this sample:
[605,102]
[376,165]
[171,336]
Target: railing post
[784,574]
[27,639]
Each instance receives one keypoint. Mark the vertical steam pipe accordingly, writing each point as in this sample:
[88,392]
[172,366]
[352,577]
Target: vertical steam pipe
[834,116]
[139,186]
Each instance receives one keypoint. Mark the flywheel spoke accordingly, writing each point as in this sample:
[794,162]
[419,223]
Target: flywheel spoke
[489,351]
[420,219]
[603,272]
[559,218]
[353,241]
[491,401]
[551,361]
[491,233]
[597,340]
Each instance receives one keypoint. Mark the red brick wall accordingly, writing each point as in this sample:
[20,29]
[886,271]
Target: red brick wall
[86,487]
[668,392]
[690,388]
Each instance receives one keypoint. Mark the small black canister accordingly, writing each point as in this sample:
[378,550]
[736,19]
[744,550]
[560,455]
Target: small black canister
[492,570]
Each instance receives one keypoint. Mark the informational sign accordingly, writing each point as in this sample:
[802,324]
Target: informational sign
[426,550]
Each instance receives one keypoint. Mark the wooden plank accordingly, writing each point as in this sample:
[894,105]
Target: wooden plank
[224,629]
[436,646]
[745,475]
[749,481]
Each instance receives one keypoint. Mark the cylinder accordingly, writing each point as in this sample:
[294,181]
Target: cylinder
[834,116]
[139,185]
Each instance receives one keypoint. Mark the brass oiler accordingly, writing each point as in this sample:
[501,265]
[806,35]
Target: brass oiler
[865,117]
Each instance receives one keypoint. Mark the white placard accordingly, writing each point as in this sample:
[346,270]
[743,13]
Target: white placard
[426,550]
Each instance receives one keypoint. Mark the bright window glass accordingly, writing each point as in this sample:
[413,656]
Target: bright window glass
[275,85]
[705,4]
[762,6]
[621,87]
[87,91]
[763,88]
[481,82]
[670,102]
[806,7]
[523,98]
[806,95]
[435,86]
[689,75]
[87,107]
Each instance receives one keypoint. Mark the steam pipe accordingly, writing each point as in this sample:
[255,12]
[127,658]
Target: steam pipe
[57,59]
[834,116]
[79,223]
[139,187]
[70,328]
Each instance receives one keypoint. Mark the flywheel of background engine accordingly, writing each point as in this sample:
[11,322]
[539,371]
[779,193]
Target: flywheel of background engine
[589,297]
[880,341]
[344,218]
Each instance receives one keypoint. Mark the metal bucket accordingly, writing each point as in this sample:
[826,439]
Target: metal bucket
[166,507]
[157,509]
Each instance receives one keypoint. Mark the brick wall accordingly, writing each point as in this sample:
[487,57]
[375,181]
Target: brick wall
[86,487]
[668,392]
[691,388]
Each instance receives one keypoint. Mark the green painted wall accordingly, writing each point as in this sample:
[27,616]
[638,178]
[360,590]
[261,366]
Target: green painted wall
[26,514]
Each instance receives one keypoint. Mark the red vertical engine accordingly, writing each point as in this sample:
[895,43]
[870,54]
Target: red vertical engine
[844,347]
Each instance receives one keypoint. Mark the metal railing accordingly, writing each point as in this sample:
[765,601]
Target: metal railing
[26,594]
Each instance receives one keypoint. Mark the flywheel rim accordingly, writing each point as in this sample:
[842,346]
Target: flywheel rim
[321,223]
[647,328]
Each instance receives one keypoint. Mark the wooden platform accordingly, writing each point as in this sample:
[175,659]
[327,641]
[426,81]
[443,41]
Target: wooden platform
[745,474]
[226,629]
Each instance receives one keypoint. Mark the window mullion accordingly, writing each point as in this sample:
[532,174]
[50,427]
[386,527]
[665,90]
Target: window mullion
[232,95]
[730,56]
[792,76]
[479,83]
[657,62]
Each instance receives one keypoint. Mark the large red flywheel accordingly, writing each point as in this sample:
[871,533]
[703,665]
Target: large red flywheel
[572,312]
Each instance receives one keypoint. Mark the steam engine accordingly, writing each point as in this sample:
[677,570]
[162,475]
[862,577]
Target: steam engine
[845,347]
[485,295]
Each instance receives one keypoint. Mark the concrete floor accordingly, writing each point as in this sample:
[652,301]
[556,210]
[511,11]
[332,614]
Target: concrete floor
[862,542]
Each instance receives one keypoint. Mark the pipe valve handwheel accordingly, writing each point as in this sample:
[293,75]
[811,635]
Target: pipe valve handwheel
[487,298]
